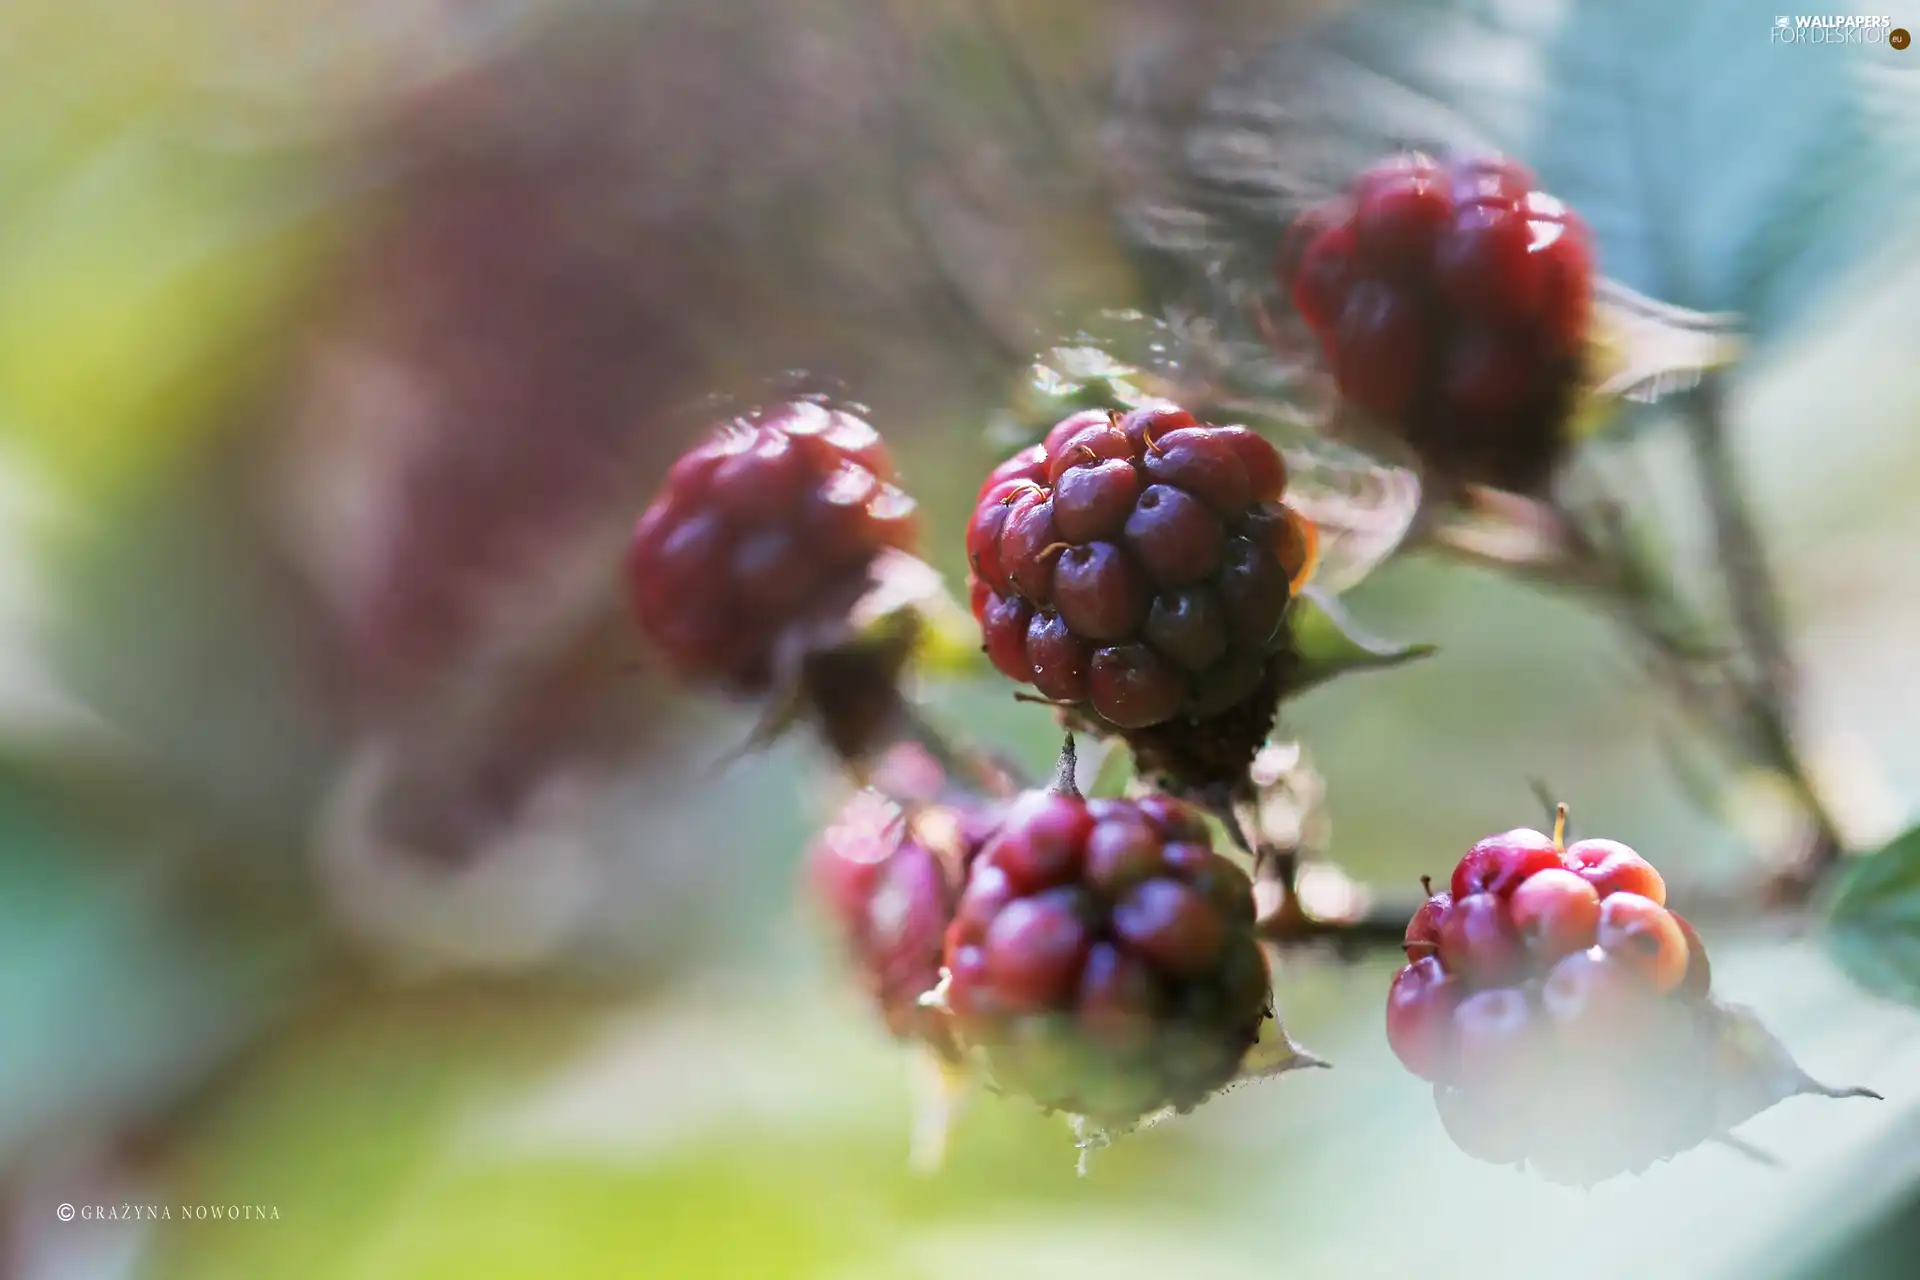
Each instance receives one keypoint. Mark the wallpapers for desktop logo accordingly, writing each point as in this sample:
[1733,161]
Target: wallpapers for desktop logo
[1850,28]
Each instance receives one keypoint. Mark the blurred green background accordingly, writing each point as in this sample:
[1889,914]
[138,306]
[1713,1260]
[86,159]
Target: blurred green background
[355,867]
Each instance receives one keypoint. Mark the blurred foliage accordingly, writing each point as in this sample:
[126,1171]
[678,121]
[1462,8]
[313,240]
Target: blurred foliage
[1874,919]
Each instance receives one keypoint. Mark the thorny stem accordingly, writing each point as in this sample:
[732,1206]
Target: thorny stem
[1750,710]
[1382,924]
[1770,694]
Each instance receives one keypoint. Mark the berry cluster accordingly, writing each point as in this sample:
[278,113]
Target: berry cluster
[887,878]
[1103,958]
[1452,302]
[1137,567]
[1558,1007]
[772,524]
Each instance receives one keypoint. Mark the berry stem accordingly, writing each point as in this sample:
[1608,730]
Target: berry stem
[1594,552]
[1382,924]
[1560,827]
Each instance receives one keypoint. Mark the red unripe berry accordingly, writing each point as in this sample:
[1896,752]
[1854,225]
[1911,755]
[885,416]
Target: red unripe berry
[1451,303]
[1103,956]
[1062,431]
[989,889]
[1176,821]
[984,529]
[1004,625]
[1500,863]
[1478,942]
[1139,570]
[1117,999]
[1483,267]
[1611,867]
[1423,931]
[1641,934]
[1034,950]
[1029,465]
[1145,425]
[1401,209]
[1699,979]
[1040,845]
[1383,347]
[1123,851]
[1266,470]
[1171,925]
[1132,686]
[1100,592]
[1559,240]
[1420,1006]
[1556,912]
[891,896]
[760,534]
[1489,376]
[1205,464]
[1093,500]
[1325,277]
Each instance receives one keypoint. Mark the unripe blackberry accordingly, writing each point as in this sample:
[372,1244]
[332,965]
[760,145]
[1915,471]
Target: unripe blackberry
[746,564]
[1452,303]
[1136,569]
[887,878]
[1563,1014]
[1102,957]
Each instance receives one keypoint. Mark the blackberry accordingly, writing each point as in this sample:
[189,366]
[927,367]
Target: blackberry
[1452,303]
[745,566]
[1563,1015]
[1136,570]
[886,874]
[1102,957]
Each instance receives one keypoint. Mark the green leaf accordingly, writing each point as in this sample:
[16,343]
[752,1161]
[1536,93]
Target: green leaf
[116,997]
[1873,920]
[1115,774]
[1327,642]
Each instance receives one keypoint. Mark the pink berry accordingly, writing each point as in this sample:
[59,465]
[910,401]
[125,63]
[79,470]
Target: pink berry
[1556,912]
[1423,931]
[1500,863]
[1420,1006]
[1611,867]
[1699,977]
[1478,942]
[1641,934]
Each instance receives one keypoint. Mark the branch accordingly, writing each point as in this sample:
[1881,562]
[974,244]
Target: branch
[1769,695]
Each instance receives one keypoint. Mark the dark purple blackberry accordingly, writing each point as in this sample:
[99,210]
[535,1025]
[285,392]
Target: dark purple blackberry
[1103,958]
[1136,569]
